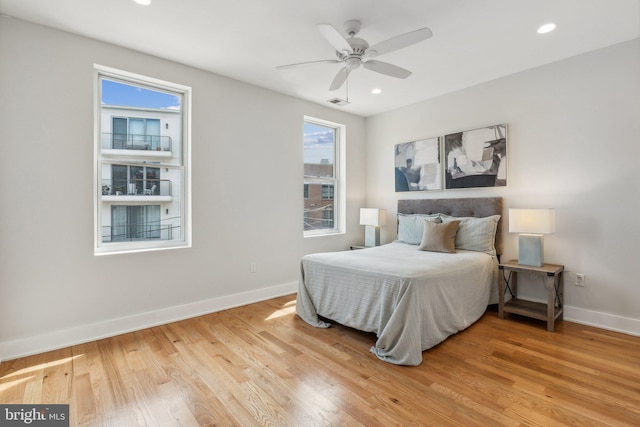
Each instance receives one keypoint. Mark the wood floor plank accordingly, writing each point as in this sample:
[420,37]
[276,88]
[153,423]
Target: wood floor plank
[261,365]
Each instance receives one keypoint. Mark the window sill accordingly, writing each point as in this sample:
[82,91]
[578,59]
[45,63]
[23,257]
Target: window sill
[323,233]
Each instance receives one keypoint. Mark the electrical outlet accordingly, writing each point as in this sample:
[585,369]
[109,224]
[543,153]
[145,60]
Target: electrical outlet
[253,267]
[579,279]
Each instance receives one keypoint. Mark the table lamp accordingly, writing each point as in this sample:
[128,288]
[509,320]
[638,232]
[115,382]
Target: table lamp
[532,224]
[372,219]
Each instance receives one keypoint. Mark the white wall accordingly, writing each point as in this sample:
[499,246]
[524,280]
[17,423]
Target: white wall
[574,129]
[247,196]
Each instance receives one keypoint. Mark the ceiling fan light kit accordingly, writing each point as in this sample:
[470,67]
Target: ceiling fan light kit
[354,52]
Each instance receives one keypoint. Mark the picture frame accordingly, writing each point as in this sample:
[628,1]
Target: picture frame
[476,158]
[418,165]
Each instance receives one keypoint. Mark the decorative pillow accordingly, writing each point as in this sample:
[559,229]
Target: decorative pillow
[439,237]
[476,234]
[411,227]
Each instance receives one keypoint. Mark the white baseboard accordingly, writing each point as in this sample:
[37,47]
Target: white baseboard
[607,321]
[610,322]
[95,331]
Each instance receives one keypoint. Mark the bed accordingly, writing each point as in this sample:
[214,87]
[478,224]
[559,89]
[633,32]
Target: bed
[411,299]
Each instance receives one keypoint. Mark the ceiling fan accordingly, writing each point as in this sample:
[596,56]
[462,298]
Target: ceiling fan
[354,51]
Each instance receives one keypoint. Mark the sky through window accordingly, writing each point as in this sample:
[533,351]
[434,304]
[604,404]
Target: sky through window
[116,93]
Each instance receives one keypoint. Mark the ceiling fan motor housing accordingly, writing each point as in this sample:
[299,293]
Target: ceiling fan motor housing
[353,59]
[358,46]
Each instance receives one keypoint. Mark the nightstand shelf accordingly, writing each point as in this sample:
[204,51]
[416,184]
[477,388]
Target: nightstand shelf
[532,309]
[553,281]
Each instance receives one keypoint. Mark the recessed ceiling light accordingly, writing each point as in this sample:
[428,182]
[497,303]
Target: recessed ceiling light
[547,28]
[376,91]
[143,2]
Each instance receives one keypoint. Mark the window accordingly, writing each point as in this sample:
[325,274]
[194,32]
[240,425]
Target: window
[142,163]
[327,191]
[327,215]
[132,132]
[323,187]
[133,180]
[129,223]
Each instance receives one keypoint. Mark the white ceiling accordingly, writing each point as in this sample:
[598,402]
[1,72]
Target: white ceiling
[474,40]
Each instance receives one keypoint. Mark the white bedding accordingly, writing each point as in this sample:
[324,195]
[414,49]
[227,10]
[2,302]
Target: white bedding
[411,299]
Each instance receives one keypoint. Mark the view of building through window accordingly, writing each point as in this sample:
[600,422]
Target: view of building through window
[141,166]
[319,176]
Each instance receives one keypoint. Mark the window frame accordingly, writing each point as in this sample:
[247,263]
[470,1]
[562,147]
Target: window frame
[338,180]
[184,167]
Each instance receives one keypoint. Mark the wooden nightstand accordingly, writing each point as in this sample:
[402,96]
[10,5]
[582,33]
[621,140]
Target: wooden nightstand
[552,278]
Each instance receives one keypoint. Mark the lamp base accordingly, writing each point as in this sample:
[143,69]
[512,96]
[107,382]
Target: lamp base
[530,250]
[371,236]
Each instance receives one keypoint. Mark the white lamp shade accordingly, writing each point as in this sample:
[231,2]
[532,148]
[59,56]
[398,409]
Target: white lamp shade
[372,216]
[534,221]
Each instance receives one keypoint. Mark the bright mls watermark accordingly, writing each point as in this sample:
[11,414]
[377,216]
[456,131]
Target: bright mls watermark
[34,415]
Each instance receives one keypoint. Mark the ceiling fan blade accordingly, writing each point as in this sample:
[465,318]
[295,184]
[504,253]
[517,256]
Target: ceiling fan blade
[334,37]
[387,69]
[326,61]
[339,79]
[399,42]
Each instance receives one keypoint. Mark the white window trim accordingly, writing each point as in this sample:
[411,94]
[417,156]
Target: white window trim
[340,189]
[186,211]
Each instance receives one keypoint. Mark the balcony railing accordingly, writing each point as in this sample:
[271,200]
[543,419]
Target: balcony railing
[127,141]
[136,187]
[138,232]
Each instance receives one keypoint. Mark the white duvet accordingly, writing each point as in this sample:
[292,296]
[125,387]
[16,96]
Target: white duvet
[411,299]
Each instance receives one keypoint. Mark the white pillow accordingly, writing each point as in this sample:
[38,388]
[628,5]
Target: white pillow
[476,234]
[411,227]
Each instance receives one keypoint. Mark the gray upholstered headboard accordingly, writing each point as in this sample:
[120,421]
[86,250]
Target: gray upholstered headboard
[474,206]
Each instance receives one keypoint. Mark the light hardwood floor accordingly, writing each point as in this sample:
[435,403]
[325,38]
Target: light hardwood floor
[261,365]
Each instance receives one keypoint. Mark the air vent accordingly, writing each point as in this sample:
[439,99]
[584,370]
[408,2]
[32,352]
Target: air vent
[338,101]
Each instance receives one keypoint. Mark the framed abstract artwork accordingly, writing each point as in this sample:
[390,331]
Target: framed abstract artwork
[476,158]
[418,166]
